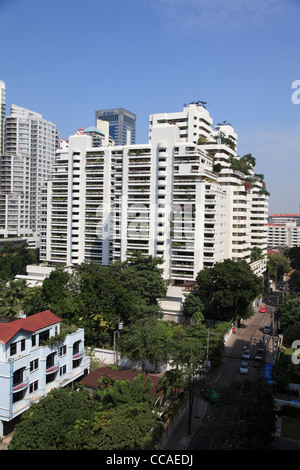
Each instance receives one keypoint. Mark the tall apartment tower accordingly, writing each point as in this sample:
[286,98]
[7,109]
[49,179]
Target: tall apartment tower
[103,204]
[29,152]
[122,124]
[247,200]
[2,114]
[179,197]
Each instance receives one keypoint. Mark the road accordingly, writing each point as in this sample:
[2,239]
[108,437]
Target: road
[248,334]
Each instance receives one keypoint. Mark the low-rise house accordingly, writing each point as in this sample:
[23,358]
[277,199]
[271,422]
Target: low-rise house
[91,381]
[36,355]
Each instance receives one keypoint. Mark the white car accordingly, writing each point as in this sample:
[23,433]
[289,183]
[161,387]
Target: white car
[246,354]
[244,368]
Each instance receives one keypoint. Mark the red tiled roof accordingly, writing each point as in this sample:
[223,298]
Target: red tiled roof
[284,215]
[91,380]
[32,323]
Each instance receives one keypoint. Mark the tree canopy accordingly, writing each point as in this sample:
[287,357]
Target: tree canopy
[117,418]
[227,289]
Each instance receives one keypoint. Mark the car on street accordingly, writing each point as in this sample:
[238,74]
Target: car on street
[244,368]
[246,354]
[211,395]
[263,309]
[259,354]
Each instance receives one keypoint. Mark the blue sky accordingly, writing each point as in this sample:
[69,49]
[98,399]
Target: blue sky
[67,58]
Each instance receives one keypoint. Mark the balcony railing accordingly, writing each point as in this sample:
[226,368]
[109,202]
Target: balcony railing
[20,386]
[52,368]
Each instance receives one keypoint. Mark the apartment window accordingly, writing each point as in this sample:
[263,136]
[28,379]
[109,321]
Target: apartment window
[63,370]
[23,345]
[33,340]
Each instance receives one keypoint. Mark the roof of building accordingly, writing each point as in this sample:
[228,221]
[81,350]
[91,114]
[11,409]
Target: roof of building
[91,380]
[284,215]
[32,323]
[93,129]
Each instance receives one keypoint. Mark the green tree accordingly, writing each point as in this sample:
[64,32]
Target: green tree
[289,313]
[227,290]
[142,275]
[124,391]
[126,427]
[294,256]
[12,295]
[256,254]
[250,417]
[147,339]
[170,383]
[278,264]
[50,423]
[194,307]
[33,300]
[54,287]
[14,259]
[189,357]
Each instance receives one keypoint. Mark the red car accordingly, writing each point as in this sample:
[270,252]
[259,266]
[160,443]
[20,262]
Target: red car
[263,309]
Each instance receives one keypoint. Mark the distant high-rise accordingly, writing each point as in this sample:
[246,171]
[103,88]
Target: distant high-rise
[122,124]
[29,151]
[2,114]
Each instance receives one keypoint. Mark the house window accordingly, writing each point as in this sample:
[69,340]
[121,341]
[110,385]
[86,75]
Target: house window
[44,336]
[13,349]
[63,370]
[33,340]
[34,365]
[63,350]
[23,345]
[33,386]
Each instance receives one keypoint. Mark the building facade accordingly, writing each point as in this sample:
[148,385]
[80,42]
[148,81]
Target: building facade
[29,152]
[184,200]
[283,235]
[32,362]
[122,124]
[2,114]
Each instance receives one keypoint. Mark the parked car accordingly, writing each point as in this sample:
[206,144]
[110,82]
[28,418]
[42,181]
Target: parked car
[259,354]
[246,354]
[244,368]
[210,394]
[267,329]
[263,309]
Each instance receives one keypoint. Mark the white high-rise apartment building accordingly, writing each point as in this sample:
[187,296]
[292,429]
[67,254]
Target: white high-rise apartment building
[2,114]
[177,197]
[247,199]
[29,152]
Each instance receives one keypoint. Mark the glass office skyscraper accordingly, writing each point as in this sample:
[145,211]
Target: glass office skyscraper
[122,124]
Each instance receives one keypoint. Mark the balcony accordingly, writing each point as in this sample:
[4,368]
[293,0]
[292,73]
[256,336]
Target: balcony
[78,355]
[19,387]
[53,368]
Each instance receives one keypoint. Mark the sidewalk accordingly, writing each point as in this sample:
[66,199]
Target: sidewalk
[179,439]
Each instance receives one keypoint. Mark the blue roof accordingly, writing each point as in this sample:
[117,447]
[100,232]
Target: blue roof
[92,129]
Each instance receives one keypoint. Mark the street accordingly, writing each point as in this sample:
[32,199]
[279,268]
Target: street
[248,334]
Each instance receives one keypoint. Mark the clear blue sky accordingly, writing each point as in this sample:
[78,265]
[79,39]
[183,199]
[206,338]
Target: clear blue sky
[67,58]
